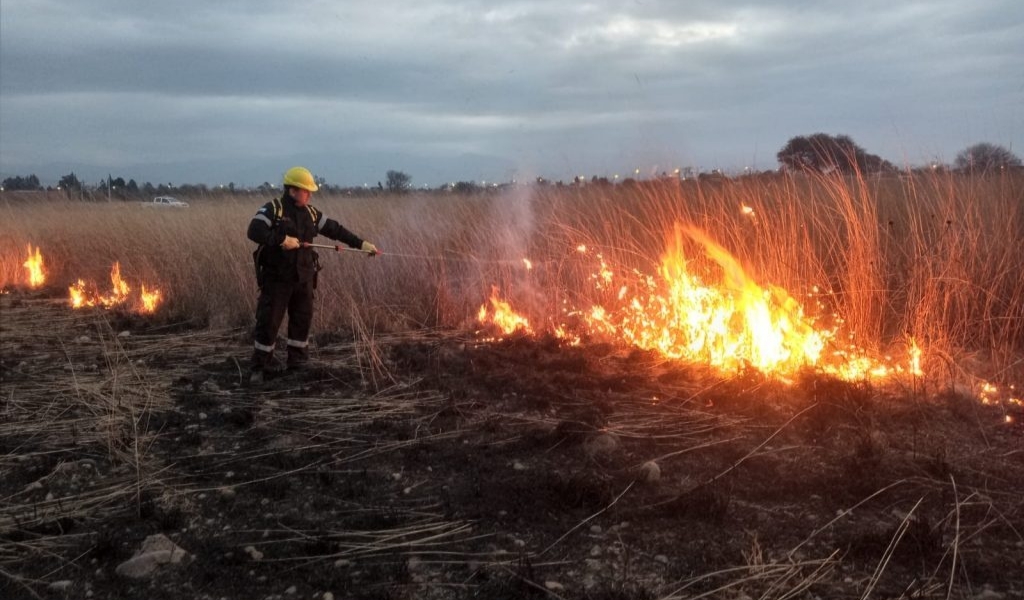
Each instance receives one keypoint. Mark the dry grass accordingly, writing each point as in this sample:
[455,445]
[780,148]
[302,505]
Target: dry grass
[934,257]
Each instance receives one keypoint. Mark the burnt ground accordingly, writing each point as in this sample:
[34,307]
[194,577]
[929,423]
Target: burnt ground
[436,465]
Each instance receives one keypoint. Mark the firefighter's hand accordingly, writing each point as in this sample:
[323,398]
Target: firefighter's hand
[290,243]
[369,248]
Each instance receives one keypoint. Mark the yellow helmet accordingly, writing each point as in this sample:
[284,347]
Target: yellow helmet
[300,177]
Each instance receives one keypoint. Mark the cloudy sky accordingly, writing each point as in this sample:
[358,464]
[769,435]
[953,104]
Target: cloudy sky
[490,90]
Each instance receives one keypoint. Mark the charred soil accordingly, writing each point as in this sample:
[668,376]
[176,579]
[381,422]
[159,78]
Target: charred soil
[436,465]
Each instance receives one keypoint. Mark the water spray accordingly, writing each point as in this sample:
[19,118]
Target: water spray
[340,248]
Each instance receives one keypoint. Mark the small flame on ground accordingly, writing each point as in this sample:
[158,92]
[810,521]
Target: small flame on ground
[84,294]
[528,263]
[149,300]
[34,266]
[500,313]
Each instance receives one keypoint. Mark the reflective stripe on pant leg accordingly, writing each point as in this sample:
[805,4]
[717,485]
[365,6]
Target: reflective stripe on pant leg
[297,344]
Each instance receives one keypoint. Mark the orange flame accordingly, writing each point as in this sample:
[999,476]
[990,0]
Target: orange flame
[149,300]
[86,295]
[34,266]
[79,295]
[731,324]
[120,287]
[502,315]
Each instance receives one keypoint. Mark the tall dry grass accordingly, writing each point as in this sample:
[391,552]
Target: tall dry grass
[935,256]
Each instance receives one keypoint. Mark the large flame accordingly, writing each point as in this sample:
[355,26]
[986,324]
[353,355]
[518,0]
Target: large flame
[734,324]
[34,266]
[84,294]
[731,323]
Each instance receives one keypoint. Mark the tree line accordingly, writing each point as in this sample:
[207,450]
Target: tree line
[818,152]
[824,153]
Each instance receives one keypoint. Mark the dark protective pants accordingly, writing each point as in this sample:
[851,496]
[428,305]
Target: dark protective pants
[276,299]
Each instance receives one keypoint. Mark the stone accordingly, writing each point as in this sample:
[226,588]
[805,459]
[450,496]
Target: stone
[60,586]
[987,593]
[601,445]
[649,472]
[554,586]
[156,551]
[254,553]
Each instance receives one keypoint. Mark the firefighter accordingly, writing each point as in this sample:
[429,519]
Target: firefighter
[286,270]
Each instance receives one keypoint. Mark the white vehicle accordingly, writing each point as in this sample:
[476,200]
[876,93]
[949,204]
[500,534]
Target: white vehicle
[167,201]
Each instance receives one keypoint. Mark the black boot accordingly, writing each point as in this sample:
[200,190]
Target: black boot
[261,366]
[298,359]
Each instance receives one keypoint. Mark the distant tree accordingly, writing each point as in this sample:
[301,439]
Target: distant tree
[986,157]
[148,189]
[70,183]
[465,187]
[132,186]
[398,181]
[21,183]
[826,153]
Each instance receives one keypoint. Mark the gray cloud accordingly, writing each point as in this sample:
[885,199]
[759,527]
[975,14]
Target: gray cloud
[474,89]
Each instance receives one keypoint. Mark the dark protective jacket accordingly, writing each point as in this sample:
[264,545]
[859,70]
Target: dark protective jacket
[281,217]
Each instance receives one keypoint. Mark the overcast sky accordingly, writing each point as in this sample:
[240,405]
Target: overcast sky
[489,90]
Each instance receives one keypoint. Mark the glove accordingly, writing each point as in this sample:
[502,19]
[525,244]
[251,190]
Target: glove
[369,248]
[290,243]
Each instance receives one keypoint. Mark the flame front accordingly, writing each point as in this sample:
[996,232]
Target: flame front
[730,324]
[34,266]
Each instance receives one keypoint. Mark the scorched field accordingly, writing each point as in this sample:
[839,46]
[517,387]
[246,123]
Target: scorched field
[772,387]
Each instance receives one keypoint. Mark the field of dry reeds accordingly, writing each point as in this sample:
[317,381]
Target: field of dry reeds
[934,257]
